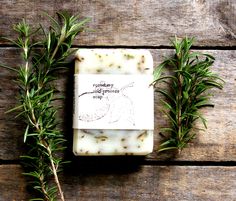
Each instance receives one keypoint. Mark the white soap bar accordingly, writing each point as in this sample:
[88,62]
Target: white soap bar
[113,141]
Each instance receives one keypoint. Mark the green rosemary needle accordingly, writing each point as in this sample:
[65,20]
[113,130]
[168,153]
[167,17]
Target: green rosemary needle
[189,81]
[37,93]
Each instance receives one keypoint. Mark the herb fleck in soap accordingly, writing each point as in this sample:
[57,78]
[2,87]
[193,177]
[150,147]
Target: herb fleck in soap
[113,103]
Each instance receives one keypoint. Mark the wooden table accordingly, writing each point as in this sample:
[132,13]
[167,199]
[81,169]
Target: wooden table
[206,170]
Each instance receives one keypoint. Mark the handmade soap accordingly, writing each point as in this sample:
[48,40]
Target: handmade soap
[113,102]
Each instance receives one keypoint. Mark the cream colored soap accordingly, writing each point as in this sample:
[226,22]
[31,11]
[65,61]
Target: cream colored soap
[112,141]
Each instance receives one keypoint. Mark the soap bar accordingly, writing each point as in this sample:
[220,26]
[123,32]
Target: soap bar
[112,141]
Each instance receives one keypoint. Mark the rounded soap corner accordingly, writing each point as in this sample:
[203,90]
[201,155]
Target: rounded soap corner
[77,52]
[151,148]
[149,58]
[75,153]
[149,54]
[148,152]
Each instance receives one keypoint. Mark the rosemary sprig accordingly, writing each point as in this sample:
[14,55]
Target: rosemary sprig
[37,93]
[189,82]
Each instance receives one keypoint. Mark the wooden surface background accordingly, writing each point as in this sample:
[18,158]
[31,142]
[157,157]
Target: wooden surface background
[206,170]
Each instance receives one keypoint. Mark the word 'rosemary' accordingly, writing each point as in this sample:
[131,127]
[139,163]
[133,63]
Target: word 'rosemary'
[37,93]
[189,81]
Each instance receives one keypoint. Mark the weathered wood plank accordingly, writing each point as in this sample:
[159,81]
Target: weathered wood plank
[12,184]
[148,183]
[217,143]
[136,23]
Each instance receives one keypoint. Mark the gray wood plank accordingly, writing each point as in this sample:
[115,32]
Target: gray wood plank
[148,183]
[134,23]
[217,143]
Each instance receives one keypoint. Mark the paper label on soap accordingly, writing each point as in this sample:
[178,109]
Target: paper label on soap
[104,101]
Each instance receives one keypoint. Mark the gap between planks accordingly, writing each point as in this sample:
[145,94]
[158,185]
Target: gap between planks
[136,161]
[161,47]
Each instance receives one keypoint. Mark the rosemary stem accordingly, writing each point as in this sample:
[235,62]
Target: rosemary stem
[179,108]
[56,48]
[55,51]
[54,169]
[44,190]
[34,120]
[55,174]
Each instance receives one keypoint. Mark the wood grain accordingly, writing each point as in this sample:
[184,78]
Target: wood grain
[147,24]
[217,143]
[146,183]
[12,184]
[133,23]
